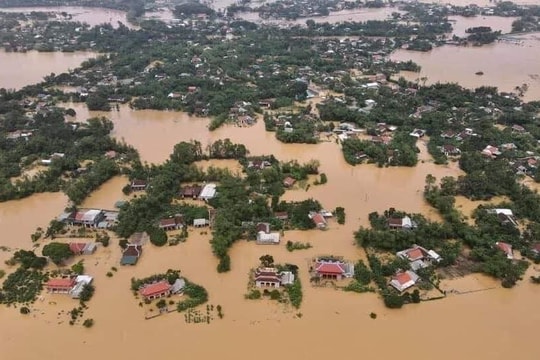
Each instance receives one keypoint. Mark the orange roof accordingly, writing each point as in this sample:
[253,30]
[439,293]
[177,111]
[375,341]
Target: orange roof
[61,283]
[402,278]
[507,248]
[330,268]
[77,247]
[415,254]
[156,288]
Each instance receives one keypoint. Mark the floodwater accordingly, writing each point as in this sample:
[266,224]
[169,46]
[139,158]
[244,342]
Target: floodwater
[492,324]
[489,3]
[20,218]
[107,194]
[36,65]
[249,325]
[357,15]
[89,15]
[497,23]
[505,65]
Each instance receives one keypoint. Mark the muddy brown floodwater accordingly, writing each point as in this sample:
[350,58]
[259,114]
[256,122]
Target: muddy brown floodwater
[494,323]
[36,65]
[505,65]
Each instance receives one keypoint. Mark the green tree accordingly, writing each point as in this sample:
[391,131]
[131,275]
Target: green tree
[57,252]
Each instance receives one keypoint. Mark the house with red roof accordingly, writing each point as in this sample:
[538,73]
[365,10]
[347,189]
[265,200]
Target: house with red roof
[318,219]
[333,269]
[155,290]
[506,248]
[419,257]
[289,181]
[82,248]
[270,277]
[404,280]
[60,285]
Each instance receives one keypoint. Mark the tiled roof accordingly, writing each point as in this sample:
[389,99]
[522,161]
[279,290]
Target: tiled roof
[330,268]
[156,288]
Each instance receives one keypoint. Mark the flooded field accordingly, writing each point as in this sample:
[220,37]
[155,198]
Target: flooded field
[89,15]
[357,15]
[496,23]
[36,66]
[478,320]
[505,65]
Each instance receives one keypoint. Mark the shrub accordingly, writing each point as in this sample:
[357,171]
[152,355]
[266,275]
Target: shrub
[88,323]
[253,295]
[24,310]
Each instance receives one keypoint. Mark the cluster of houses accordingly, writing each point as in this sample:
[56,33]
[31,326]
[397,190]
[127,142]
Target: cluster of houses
[418,258]
[72,285]
[242,113]
[205,192]
[90,218]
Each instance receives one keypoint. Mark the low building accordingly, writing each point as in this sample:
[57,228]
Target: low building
[265,237]
[138,185]
[318,219]
[60,285]
[156,290]
[450,150]
[267,277]
[419,257]
[281,215]
[404,280]
[333,269]
[83,217]
[491,152]
[505,216]
[506,248]
[289,181]
[401,223]
[173,223]
[131,254]
[200,222]
[190,192]
[208,192]
[83,248]
[178,286]
[80,282]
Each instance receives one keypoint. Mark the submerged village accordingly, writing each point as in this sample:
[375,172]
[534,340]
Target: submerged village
[246,163]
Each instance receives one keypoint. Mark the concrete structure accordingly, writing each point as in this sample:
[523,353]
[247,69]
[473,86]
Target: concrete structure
[333,269]
[200,222]
[318,219]
[83,217]
[404,280]
[401,223]
[131,254]
[173,223]
[83,248]
[80,282]
[208,192]
[155,290]
[419,257]
[60,285]
[138,185]
[265,237]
